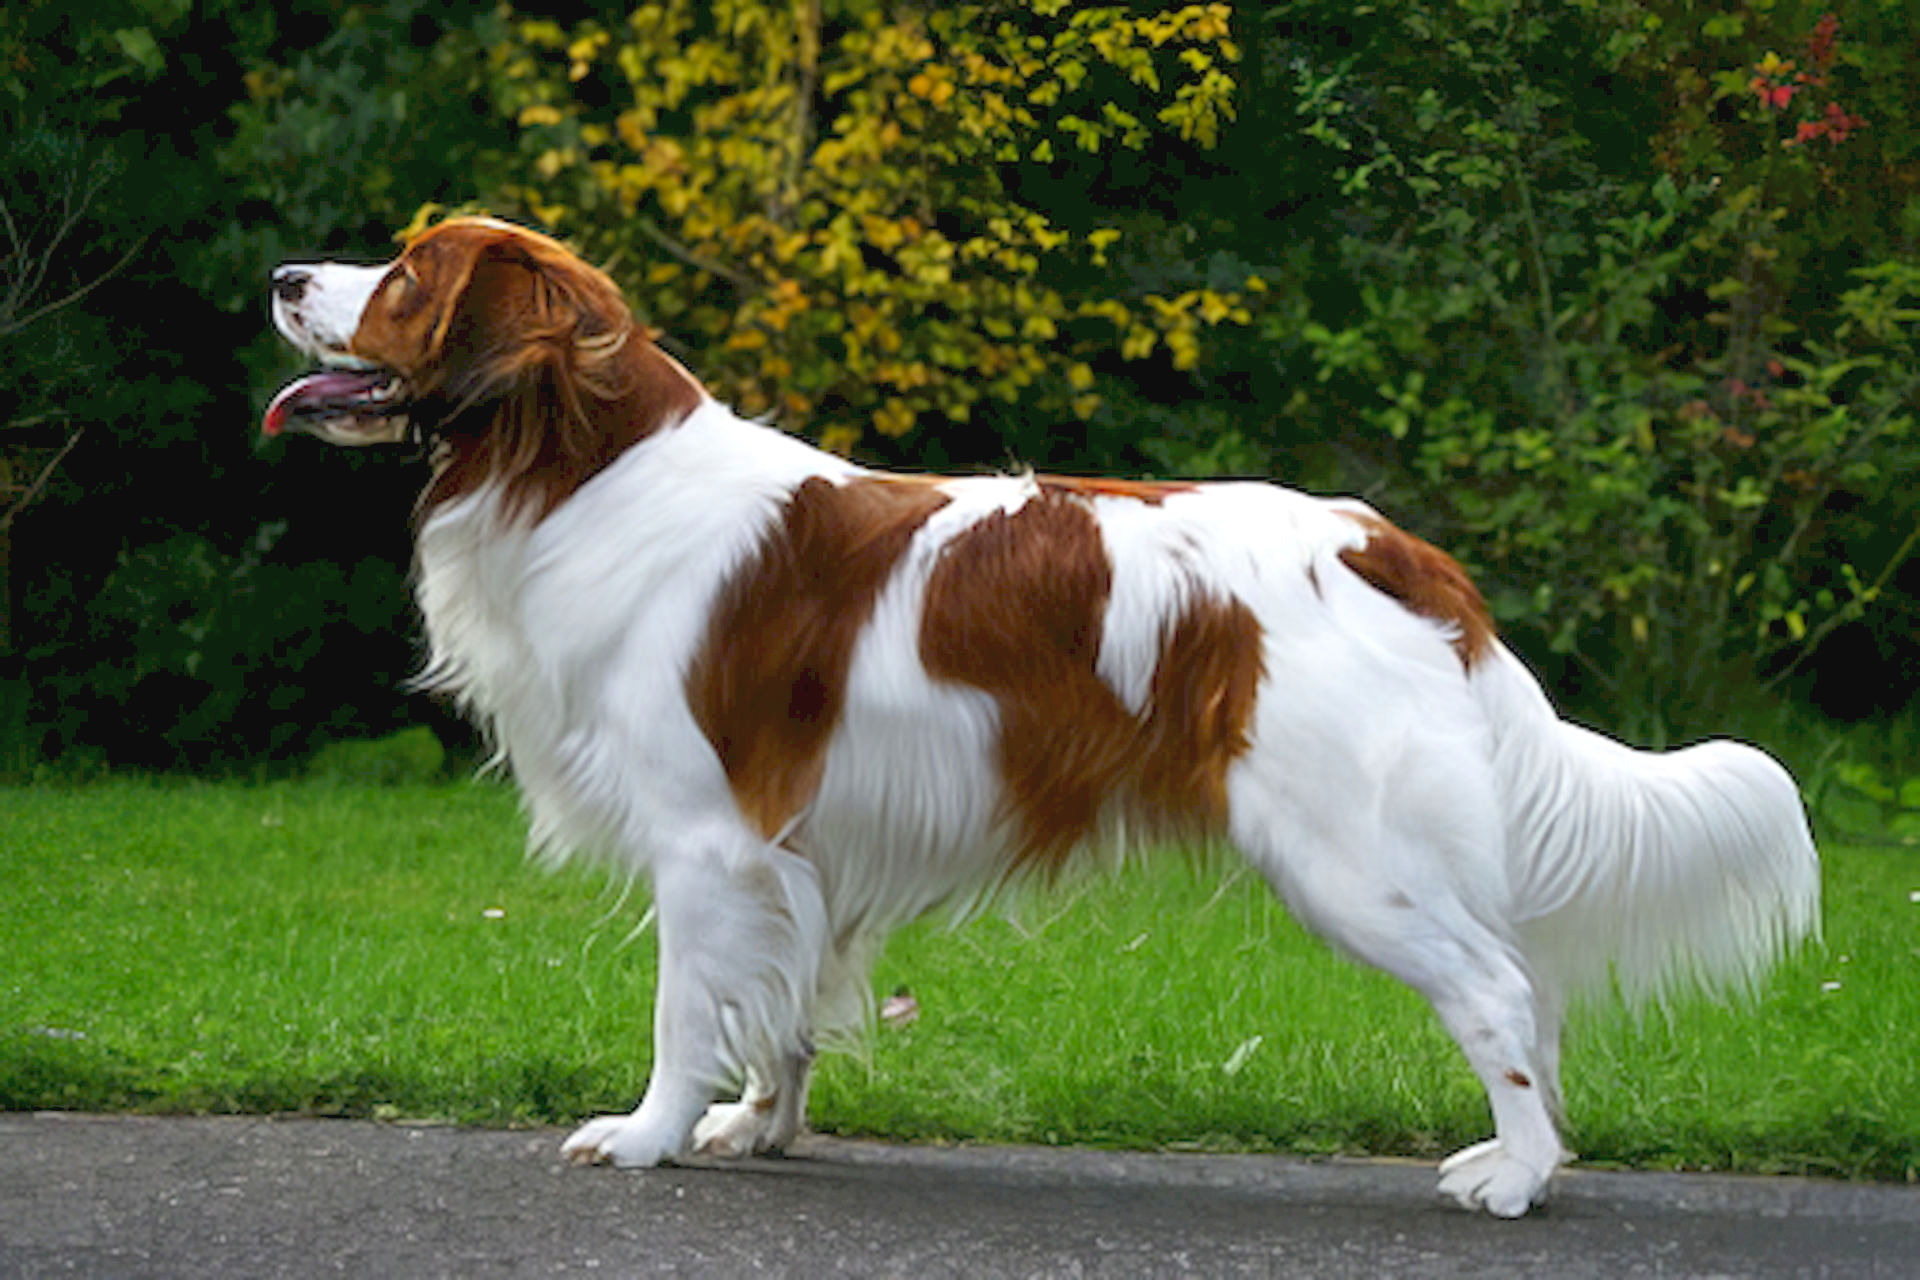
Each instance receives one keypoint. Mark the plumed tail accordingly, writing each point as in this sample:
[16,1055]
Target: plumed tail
[1659,871]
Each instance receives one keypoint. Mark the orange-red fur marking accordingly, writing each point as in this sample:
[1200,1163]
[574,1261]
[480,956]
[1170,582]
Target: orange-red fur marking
[1016,607]
[768,686]
[1151,492]
[1204,691]
[1426,580]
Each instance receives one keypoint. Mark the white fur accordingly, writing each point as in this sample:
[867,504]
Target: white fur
[1447,828]
[1439,823]
[323,316]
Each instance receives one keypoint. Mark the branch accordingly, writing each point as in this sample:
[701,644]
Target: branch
[1839,616]
[19,249]
[16,289]
[1543,283]
[739,280]
[39,313]
[83,180]
[32,491]
[32,420]
[807,53]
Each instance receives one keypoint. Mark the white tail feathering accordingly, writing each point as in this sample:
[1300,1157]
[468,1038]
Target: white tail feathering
[1659,870]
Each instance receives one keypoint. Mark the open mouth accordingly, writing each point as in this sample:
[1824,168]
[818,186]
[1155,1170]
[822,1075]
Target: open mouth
[344,405]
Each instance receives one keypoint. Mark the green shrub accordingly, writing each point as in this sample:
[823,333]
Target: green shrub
[1639,389]
[410,756]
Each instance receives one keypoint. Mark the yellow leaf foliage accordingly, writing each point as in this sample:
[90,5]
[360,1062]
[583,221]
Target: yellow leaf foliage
[817,210]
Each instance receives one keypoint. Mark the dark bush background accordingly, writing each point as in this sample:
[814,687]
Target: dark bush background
[1570,288]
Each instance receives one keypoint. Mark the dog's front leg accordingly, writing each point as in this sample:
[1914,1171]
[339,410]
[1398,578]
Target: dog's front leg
[741,928]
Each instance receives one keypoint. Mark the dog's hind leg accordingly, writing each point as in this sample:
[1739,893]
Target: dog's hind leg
[1414,906]
[741,931]
[767,1117]
[1491,1016]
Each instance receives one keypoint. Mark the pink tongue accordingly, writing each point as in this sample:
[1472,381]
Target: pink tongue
[338,385]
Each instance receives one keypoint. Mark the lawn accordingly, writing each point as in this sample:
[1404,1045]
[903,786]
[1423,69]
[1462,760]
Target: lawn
[327,948]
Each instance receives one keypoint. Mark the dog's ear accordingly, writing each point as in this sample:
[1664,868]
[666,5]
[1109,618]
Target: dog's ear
[529,315]
[560,299]
[448,270]
[406,322]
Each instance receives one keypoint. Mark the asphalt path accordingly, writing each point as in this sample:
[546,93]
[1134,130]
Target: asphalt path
[226,1196]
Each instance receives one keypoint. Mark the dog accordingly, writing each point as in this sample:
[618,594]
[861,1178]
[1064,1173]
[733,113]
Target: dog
[810,701]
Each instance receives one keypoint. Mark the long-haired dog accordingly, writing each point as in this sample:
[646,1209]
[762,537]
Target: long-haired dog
[810,701]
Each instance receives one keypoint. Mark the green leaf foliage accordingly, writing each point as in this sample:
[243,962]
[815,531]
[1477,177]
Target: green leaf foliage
[1614,299]
[1632,364]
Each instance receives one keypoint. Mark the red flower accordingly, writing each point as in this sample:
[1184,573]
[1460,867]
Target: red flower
[1775,96]
[1835,125]
[1839,123]
[1820,43]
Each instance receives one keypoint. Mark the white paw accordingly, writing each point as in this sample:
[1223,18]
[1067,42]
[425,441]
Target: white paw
[730,1130]
[623,1141]
[1484,1176]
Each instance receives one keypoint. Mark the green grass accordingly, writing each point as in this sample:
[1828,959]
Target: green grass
[332,948]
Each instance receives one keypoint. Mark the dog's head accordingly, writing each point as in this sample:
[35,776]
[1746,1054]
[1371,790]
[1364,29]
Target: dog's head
[491,340]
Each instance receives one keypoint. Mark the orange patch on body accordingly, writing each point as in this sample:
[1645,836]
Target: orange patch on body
[1204,690]
[1151,492]
[1016,607]
[1426,580]
[768,686]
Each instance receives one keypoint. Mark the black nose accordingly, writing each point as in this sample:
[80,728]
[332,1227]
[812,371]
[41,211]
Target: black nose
[290,283]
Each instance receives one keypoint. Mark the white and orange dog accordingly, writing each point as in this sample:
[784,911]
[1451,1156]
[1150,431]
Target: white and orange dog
[810,701]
